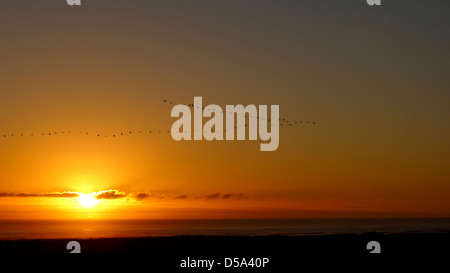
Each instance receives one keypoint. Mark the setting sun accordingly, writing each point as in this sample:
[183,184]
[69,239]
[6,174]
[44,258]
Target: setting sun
[87,200]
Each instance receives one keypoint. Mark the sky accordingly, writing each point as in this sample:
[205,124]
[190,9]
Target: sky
[373,79]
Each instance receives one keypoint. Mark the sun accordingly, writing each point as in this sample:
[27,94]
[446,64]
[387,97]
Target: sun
[87,200]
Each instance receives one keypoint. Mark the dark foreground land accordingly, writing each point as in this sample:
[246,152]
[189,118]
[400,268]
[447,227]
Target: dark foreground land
[167,253]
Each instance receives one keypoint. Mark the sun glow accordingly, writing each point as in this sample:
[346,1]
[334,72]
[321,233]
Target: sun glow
[87,200]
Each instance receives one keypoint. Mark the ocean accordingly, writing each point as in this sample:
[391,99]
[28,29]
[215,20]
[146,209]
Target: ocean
[83,229]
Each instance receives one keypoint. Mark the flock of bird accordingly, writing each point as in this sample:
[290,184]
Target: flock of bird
[282,122]
[84,133]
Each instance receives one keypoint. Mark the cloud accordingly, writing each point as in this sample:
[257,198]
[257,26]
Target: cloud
[141,195]
[184,196]
[213,196]
[233,196]
[67,194]
[110,194]
[237,196]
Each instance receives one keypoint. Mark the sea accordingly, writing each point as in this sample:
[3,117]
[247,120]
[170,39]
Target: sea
[84,229]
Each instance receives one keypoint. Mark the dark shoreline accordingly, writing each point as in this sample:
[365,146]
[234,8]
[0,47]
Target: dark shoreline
[285,253]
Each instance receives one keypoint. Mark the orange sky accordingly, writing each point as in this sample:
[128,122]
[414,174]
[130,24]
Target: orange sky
[376,83]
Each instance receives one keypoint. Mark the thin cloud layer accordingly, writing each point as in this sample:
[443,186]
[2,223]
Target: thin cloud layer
[66,194]
[110,194]
[117,194]
[217,195]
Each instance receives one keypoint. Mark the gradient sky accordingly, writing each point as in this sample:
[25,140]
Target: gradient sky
[375,79]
